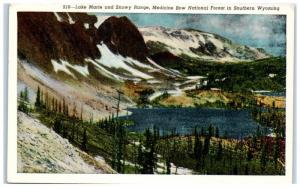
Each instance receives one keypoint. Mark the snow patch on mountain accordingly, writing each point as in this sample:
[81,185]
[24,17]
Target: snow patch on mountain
[41,150]
[83,70]
[176,45]
[61,67]
[104,71]
[272,75]
[37,74]
[100,20]
[155,95]
[195,77]
[86,25]
[65,65]
[58,17]
[154,81]
[169,72]
[70,19]
[175,92]
[112,60]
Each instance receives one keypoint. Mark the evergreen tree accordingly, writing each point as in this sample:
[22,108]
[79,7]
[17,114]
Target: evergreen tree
[22,106]
[57,126]
[84,140]
[217,132]
[53,105]
[168,165]
[59,107]
[202,131]
[26,98]
[206,145]
[38,98]
[225,136]
[219,151]
[140,156]
[22,95]
[42,99]
[235,169]
[155,133]
[197,150]
[47,101]
[64,130]
[149,160]
[189,145]
[276,150]
[56,106]
[263,157]
[258,132]
[246,170]
[120,148]
[144,96]
[64,106]
[72,136]
[249,154]
[210,131]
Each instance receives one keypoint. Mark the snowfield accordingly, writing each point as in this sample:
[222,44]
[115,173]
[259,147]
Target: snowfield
[104,71]
[112,60]
[181,41]
[176,44]
[83,70]
[100,20]
[58,17]
[41,150]
[70,19]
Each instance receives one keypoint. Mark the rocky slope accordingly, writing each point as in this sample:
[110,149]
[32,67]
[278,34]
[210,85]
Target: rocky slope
[41,150]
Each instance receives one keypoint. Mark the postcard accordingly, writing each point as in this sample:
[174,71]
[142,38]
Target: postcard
[125,93]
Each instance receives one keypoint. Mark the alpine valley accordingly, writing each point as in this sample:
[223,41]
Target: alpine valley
[100,82]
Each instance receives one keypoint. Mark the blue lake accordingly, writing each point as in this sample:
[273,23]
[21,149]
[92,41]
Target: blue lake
[278,94]
[236,123]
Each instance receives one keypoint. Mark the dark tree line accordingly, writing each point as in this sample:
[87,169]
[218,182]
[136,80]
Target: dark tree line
[23,101]
[66,122]
[147,153]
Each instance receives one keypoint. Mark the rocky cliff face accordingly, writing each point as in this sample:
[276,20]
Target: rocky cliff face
[166,59]
[72,37]
[46,36]
[123,37]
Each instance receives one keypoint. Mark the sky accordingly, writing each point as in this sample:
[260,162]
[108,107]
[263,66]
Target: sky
[263,31]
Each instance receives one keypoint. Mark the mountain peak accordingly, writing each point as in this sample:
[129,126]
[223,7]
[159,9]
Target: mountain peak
[122,37]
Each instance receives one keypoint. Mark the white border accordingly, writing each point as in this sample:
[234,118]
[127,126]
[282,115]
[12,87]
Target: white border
[14,177]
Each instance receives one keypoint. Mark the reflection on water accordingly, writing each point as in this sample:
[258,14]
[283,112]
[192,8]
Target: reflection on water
[235,123]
